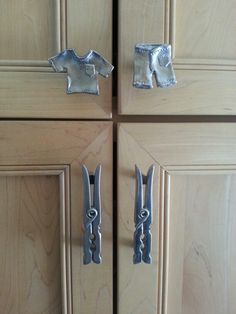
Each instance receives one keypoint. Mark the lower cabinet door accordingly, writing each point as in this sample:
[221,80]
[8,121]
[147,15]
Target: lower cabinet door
[193,268]
[41,218]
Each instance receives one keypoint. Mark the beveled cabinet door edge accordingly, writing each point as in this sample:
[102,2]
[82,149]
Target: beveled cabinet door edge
[35,91]
[65,216]
[178,149]
[70,144]
[157,226]
[197,73]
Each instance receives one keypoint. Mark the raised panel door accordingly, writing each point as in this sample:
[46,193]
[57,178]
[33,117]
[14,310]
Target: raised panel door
[33,31]
[41,217]
[203,48]
[31,266]
[193,230]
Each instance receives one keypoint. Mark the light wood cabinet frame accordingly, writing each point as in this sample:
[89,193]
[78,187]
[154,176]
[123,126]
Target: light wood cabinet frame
[32,32]
[44,150]
[193,247]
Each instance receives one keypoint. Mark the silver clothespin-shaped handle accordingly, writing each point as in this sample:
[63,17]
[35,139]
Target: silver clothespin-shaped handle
[92,216]
[143,216]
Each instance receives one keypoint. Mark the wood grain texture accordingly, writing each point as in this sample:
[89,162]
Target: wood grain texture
[89,30]
[194,204]
[194,94]
[43,95]
[139,21]
[30,245]
[73,144]
[201,251]
[89,26]
[204,29]
[204,61]
[28,29]
[29,87]
[137,284]
[185,144]
[93,284]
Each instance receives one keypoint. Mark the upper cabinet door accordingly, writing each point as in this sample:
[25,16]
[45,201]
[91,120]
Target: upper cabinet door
[33,31]
[42,218]
[201,33]
[194,219]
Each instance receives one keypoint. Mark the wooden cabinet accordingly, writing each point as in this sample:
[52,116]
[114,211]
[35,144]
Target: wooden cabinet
[33,31]
[202,37]
[41,180]
[41,217]
[194,256]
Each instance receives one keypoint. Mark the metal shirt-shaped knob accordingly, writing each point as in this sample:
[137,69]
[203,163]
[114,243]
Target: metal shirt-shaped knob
[82,71]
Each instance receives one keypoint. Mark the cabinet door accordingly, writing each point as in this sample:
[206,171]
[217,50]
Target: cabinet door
[41,218]
[194,218]
[201,33]
[33,31]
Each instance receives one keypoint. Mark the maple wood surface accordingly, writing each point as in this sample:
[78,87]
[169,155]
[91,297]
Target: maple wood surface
[42,217]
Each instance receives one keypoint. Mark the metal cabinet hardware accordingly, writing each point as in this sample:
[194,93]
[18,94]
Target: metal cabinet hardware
[92,216]
[82,71]
[153,59]
[143,216]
